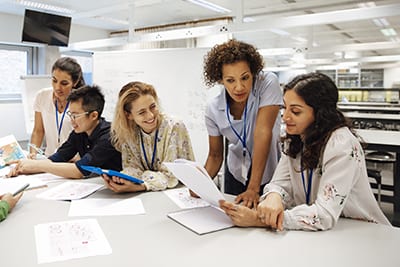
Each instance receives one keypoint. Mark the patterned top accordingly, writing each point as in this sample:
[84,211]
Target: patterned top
[340,187]
[173,142]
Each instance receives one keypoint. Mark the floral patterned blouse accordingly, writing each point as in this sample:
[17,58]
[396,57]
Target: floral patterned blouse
[173,142]
[340,187]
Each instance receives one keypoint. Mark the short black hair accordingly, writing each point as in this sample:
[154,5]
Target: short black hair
[91,96]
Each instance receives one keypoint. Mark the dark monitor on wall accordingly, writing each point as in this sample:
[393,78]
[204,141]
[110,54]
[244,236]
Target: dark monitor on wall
[40,27]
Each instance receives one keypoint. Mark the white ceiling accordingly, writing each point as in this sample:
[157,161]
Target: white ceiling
[316,27]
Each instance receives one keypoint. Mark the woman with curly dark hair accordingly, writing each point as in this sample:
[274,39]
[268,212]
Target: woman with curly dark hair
[246,113]
[322,174]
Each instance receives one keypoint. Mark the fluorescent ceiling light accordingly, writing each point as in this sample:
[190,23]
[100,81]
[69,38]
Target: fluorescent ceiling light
[279,32]
[276,51]
[248,19]
[299,39]
[113,20]
[395,39]
[381,22]
[210,6]
[46,7]
[389,32]
[367,4]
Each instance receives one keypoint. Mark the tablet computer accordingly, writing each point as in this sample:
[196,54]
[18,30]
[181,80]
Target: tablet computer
[101,171]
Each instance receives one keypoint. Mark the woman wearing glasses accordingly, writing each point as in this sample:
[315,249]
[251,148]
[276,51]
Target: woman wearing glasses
[146,138]
[51,105]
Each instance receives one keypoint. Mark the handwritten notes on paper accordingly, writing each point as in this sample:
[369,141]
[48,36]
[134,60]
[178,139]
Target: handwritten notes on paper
[70,191]
[58,241]
[182,198]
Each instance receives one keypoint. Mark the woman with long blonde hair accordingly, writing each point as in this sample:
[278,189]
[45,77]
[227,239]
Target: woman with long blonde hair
[146,138]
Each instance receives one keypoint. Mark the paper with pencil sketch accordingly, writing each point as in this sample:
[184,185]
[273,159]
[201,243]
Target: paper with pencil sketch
[196,178]
[200,220]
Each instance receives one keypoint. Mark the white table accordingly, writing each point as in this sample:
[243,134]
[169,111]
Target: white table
[155,240]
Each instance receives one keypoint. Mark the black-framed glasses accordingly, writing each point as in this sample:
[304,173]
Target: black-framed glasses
[73,116]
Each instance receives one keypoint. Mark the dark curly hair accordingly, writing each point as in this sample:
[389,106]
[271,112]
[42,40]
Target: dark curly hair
[228,53]
[319,92]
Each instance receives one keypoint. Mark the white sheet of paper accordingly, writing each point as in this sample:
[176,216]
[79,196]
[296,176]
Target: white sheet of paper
[202,220]
[182,198]
[106,207]
[11,185]
[70,191]
[48,177]
[195,177]
[59,241]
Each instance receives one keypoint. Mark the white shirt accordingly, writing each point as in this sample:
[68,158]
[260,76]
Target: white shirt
[44,104]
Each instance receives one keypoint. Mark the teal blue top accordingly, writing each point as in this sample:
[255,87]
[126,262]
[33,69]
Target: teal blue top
[4,208]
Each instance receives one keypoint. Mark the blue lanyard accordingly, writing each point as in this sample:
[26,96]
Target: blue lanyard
[242,140]
[59,126]
[308,191]
[154,150]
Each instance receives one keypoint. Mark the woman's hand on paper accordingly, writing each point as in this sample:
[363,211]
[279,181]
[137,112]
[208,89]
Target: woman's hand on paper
[270,211]
[248,198]
[241,215]
[119,185]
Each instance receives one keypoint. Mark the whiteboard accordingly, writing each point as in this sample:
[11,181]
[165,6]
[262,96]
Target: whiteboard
[31,85]
[176,74]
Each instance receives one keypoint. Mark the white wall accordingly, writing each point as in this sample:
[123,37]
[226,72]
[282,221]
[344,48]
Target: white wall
[13,120]
[391,77]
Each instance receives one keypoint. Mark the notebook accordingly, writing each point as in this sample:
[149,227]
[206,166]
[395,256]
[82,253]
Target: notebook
[200,220]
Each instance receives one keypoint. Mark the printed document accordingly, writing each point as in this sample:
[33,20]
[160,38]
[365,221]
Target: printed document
[59,241]
[10,150]
[201,220]
[182,198]
[70,191]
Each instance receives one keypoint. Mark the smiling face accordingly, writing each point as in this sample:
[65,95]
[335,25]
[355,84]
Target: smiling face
[238,80]
[81,120]
[144,112]
[62,84]
[297,115]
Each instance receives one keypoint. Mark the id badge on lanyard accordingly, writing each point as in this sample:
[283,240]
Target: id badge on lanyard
[245,170]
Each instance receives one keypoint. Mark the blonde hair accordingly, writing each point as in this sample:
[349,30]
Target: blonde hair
[124,130]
